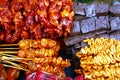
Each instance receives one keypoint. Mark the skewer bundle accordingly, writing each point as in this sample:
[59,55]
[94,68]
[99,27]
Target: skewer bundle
[100,60]
[34,55]
[39,48]
[26,19]
[42,55]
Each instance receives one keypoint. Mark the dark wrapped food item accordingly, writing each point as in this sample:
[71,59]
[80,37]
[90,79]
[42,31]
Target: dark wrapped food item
[102,9]
[102,23]
[76,28]
[79,8]
[115,10]
[90,10]
[87,25]
[115,23]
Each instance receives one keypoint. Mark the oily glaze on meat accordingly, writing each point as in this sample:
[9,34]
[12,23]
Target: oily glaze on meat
[21,19]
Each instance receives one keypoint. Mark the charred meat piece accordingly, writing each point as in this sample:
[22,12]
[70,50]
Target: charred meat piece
[2,35]
[21,19]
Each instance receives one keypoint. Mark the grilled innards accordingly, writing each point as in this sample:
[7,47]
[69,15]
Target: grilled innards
[100,60]
[23,19]
[42,55]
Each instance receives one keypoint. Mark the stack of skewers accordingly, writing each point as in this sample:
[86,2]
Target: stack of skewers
[37,55]
[100,60]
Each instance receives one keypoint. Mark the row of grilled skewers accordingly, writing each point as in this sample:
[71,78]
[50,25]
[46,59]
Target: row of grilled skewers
[100,60]
[34,55]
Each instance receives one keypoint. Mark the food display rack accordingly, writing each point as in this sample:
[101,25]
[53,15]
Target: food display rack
[92,20]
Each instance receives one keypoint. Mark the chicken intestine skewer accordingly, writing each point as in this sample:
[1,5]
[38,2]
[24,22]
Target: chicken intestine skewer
[43,43]
[47,68]
[31,53]
[55,61]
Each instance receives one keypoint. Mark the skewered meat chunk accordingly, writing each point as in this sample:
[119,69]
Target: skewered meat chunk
[36,19]
[43,43]
[16,5]
[47,68]
[25,34]
[42,55]
[38,53]
[5,15]
[37,31]
[8,36]
[13,73]
[3,73]
[2,35]
[29,21]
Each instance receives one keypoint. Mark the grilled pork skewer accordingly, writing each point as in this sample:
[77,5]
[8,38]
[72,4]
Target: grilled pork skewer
[34,55]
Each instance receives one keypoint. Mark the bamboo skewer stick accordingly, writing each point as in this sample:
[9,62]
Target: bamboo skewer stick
[18,61]
[1,48]
[16,67]
[13,58]
[11,63]
[9,55]
[8,58]
[9,52]
[4,45]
